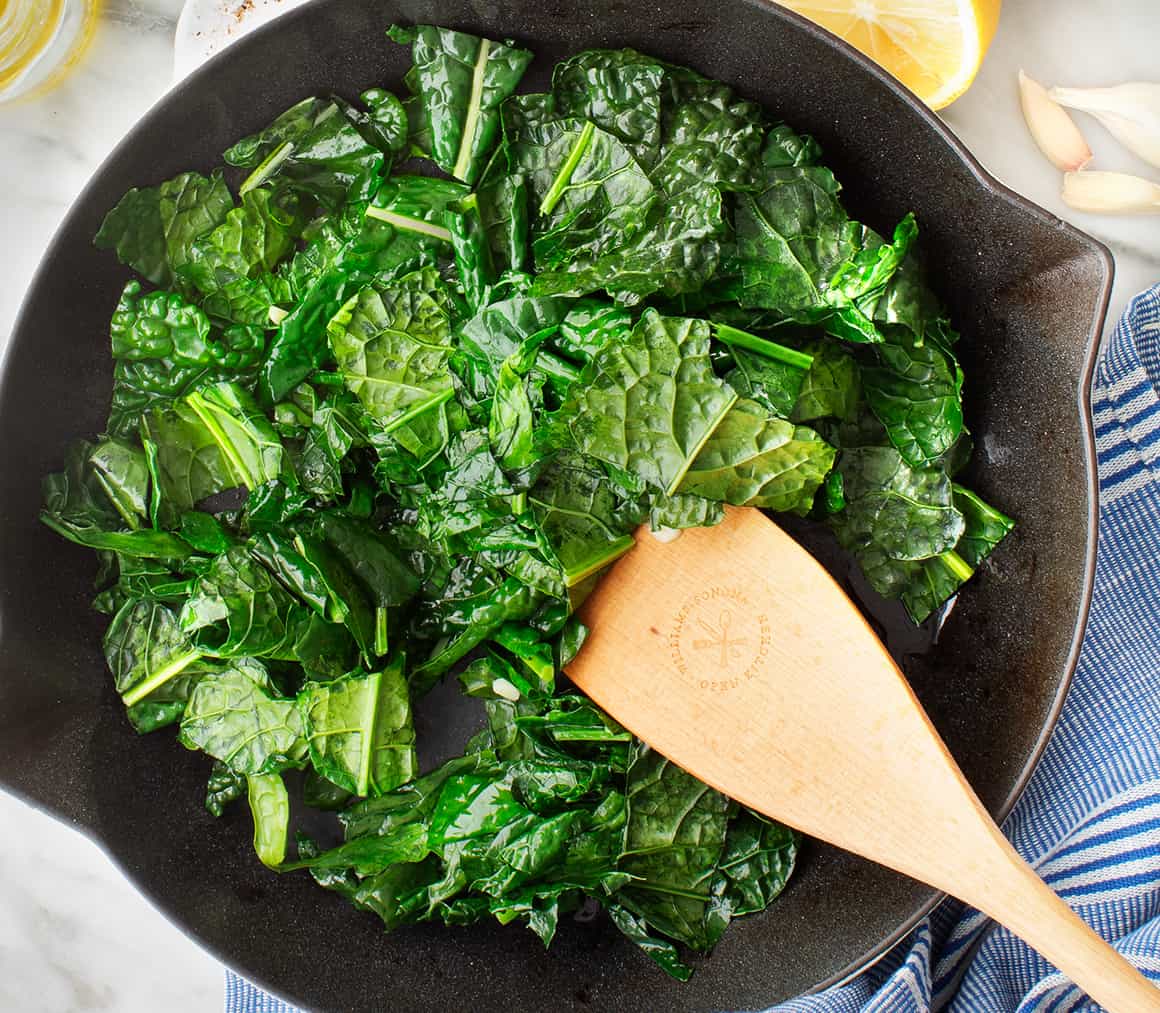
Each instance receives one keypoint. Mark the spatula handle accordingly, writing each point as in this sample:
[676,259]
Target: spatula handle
[1016,897]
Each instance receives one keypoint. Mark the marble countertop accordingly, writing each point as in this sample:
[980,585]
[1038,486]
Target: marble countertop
[74,935]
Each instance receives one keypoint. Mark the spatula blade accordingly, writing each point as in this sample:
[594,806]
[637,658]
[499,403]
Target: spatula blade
[735,654]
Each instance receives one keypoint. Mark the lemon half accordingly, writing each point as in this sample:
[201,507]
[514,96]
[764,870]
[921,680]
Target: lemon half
[934,47]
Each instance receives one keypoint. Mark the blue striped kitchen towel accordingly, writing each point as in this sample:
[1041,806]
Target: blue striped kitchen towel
[1090,819]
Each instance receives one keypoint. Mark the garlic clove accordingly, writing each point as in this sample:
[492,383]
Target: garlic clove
[1052,128]
[1131,112]
[1111,193]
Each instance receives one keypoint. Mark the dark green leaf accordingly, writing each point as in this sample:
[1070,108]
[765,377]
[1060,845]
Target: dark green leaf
[661,951]
[277,552]
[225,786]
[589,326]
[461,81]
[386,120]
[586,520]
[123,474]
[832,386]
[343,260]
[677,251]
[930,582]
[235,720]
[621,91]
[320,793]
[160,325]
[589,193]
[755,459]
[471,619]
[471,248]
[392,348]
[359,730]
[985,527]
[155,666]
[757,862]
[146,544]
[775,385]
[205,533]
[649,404]
[907,513]
[797,250]
[247,442]
[373,556]
[152,229]
[510,426]
[237,609]
[348,602]
[502,330]
[673,843]
[315,148]
[246,247]
[503,202]
[684,510]
[916,393]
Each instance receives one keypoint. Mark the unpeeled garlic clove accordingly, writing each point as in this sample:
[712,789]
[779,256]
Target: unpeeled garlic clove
[1111,193]
[1052,128]
[1131,112]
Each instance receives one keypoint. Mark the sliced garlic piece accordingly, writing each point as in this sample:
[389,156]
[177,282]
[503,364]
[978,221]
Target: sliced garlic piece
[1131,112]
[1111,193]
[1052,128]
[508,690]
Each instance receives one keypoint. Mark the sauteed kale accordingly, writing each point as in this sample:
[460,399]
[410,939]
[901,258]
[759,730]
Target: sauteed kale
[399,382]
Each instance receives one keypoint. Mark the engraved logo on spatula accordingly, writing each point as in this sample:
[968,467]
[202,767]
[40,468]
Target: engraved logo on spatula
[719,639]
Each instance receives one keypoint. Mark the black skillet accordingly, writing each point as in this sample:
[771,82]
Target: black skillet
[1027,291]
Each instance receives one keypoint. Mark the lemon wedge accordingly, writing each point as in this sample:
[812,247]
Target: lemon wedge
[934,47]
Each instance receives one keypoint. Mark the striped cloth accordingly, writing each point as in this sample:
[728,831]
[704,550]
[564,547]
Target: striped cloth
[1090,819]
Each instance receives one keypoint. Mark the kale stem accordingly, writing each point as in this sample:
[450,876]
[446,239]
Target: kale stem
[471,122]
[409,224]
[204,411]
[423,406]
[267,167]
[381,642]
[615,550]
[735,338]
[957,565]
[160,678]
[150,449]
[564,176]
[127,515]
[675,484]
[368,736]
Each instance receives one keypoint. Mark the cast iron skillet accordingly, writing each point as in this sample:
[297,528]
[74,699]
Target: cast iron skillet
[1027,291]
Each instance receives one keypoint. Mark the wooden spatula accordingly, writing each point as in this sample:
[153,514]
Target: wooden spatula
[733,653]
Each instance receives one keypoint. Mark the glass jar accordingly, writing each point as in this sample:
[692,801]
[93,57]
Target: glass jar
[39,41]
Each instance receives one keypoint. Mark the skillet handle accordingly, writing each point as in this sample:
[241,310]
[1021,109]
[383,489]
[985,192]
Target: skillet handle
[56,697]
[47,767]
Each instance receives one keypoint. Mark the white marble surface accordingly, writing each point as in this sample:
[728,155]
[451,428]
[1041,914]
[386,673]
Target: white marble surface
[74,935]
